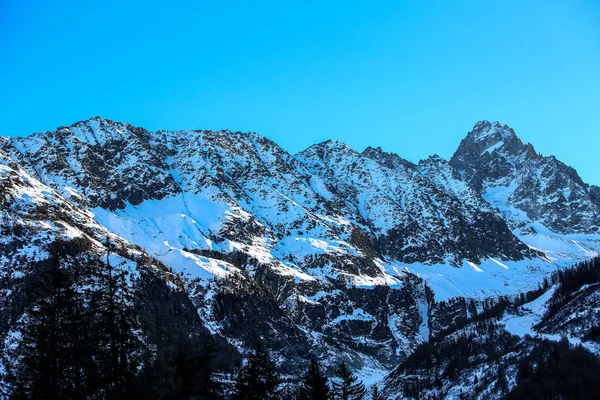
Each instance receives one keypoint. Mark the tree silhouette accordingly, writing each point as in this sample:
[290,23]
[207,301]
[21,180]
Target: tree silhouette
[258,379]
[314,385]
[347,387]
[111,323]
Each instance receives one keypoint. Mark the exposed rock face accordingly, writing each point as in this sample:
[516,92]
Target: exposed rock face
[96,163]
[389,204]
[243,208]
[514,177]
[415,214]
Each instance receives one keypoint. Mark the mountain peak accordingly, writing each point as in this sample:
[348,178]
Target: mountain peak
[324,149]
[489,138]
[334,143]
[491,157]
[388,159]
[491,131]
[435,158]
[96,120]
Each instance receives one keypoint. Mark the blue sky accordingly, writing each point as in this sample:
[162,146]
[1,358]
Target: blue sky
[410,76]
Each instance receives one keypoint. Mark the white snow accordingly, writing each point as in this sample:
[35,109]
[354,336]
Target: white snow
[358,314]
[493,147]
[499,263]
[474,266]
[531,314]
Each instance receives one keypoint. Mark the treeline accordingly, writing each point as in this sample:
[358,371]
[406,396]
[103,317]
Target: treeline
[557,371]
[570,281]
[75,337]
[547,370]
[259,380]
[86,327]
[482,362]
[491,309]
[436,366]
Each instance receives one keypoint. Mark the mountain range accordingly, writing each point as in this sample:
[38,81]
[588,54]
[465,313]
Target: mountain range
[344,255]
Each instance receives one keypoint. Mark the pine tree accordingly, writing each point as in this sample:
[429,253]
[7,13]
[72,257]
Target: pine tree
[347,387]
[258,379]
[314,385]
[179,362]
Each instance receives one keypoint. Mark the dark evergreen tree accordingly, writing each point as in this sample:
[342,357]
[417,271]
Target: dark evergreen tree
[193,371]
[570,281]
[179,363]
[314,385]
[257,379]
[557,371]
[347,387]
[77,330]
[77,336]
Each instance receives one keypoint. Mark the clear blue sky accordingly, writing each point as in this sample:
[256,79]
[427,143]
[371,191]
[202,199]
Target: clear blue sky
[410,76]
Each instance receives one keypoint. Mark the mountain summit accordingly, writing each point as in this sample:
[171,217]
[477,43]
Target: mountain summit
[527,187]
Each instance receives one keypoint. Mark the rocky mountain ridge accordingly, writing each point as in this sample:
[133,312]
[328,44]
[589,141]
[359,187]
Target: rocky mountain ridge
[358,255]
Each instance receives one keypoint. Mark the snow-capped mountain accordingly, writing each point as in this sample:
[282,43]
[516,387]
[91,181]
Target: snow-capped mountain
[528,187]
[331,251]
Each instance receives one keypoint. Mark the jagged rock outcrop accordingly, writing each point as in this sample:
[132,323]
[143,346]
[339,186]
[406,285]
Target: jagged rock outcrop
[526,186]
[414,218]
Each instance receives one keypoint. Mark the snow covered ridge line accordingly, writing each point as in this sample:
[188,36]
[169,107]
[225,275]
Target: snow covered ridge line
[179,194]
